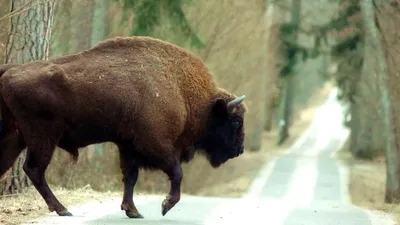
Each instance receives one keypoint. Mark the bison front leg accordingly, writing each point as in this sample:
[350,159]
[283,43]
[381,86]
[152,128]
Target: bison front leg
[130,173]
[175,175]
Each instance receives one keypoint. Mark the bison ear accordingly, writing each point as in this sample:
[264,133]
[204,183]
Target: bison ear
[219,109]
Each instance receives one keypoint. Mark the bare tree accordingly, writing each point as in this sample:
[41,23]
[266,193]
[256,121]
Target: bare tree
[392,155]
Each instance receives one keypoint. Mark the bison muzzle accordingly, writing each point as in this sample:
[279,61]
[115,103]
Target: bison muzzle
[157,102]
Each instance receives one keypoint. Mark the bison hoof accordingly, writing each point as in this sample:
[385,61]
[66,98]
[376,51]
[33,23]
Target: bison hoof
[134,215]
[167,205]
[164,208]
[131,211]
[64,213]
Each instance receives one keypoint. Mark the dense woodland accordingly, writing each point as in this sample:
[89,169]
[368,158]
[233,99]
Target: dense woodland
[277,53]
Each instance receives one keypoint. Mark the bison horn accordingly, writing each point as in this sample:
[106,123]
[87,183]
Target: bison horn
[235,102]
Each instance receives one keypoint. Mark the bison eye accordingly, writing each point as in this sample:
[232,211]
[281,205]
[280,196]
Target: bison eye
[236,123]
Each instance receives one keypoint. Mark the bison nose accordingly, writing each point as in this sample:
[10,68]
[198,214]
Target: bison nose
[240,151]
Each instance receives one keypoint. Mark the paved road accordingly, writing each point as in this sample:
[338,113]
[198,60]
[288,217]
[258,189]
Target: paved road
[305,186]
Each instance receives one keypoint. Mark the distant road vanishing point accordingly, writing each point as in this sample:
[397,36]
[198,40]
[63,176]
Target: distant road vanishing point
[304,186]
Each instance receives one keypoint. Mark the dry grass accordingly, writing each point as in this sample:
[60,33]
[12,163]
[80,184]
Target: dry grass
[367,183]
[367,187]
[231,180]
[29,205]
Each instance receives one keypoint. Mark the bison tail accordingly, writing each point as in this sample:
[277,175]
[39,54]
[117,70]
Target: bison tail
[74,154]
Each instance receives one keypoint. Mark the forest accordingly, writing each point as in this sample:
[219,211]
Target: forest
[284,55]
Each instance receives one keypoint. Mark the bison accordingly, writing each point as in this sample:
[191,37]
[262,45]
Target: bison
[157,102]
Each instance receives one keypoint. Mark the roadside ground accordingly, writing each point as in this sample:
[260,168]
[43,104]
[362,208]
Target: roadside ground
[367,182]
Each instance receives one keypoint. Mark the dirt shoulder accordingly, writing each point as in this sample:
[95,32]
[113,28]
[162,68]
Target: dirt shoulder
[230,180]
[367,182]
[22,207]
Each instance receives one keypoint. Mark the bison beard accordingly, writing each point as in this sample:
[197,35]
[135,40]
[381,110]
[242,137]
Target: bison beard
[157,102]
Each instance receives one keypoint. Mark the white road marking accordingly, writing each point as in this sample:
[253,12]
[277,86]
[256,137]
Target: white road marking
[250,210]
[259,182]
[344,183]
[302,185]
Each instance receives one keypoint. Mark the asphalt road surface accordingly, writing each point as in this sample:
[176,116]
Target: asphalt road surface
[305,186]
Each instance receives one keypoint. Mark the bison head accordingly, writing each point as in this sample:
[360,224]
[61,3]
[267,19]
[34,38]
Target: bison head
[224,134]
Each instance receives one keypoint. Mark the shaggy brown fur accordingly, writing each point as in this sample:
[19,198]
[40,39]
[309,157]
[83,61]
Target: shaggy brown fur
[155,101]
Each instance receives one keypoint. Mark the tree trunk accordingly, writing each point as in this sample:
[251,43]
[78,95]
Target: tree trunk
[82,19]
[3,27]
[270,114]
[392,194]
[355,128]
[365,123]
[288,86]
[28,40]
[361,131]
[99,34]
[274,17]
[255,135]
[82,16]
[99,22]
[61,33]
[361,114]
